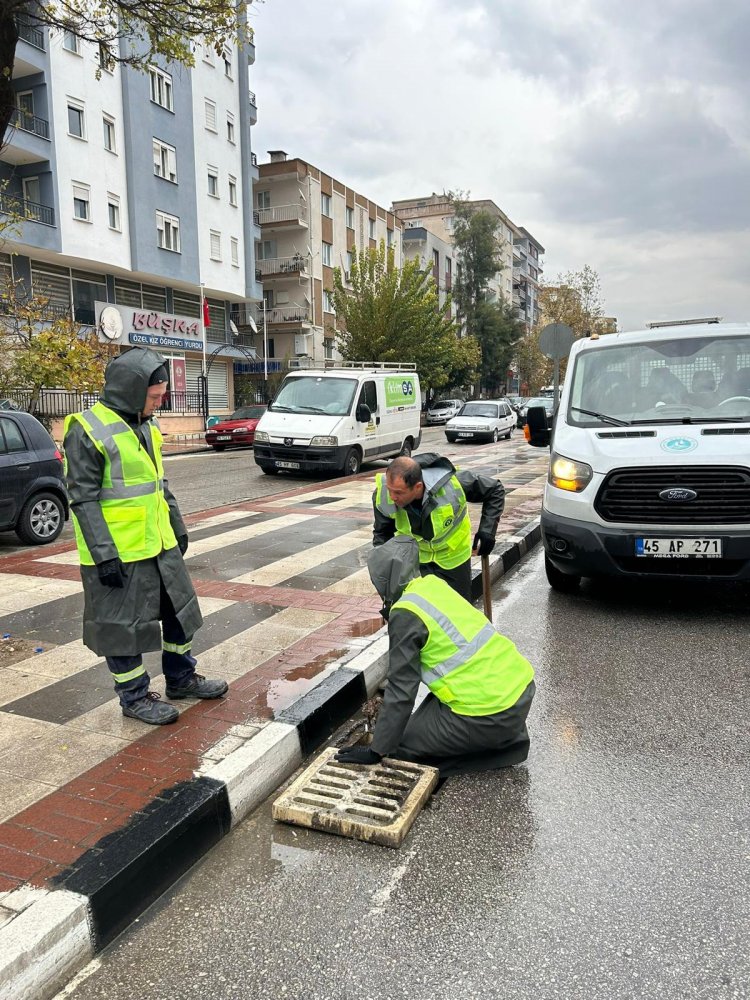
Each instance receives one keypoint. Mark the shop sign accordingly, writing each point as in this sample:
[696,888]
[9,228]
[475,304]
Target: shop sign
[118,324]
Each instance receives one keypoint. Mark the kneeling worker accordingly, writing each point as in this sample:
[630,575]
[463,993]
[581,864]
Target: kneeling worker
[481,688]
[425,497]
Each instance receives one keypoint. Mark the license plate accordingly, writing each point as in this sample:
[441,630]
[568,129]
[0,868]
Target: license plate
[287,465]
[223,437]
[465,434]
[679,548]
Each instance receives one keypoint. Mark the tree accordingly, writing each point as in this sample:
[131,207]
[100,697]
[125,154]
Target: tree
[534,369]
[498,332]
[393,314]
[467,360]
[479,251]
[575,298]
[37,354]
[130,32]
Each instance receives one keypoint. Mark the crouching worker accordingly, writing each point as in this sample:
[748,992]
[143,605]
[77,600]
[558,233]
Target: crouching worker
[131,540]
[481,688]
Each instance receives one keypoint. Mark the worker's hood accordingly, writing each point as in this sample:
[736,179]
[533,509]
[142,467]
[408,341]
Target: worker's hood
[392,566]
[436,470]
[126,379]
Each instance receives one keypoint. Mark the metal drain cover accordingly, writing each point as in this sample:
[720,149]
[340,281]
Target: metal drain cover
[377,804]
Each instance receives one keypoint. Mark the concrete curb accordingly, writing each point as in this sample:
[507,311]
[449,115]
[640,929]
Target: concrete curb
[52,934]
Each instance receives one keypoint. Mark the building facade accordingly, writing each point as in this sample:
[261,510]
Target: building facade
[135,190]
[527,276]
[419,243]
[310,223]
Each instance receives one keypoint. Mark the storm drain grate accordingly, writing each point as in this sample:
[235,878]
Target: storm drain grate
[377,804]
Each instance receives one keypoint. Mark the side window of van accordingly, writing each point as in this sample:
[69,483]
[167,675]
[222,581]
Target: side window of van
[369,395]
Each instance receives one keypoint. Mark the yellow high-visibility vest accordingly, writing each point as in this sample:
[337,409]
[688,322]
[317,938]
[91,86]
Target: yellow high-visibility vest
[132,492]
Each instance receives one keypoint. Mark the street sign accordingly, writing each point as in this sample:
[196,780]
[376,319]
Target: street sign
[555,340]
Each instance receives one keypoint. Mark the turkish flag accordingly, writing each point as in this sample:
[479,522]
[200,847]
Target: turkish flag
[206,314]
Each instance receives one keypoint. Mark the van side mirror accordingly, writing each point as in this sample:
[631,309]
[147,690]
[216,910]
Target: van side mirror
[537,430]
[363,413]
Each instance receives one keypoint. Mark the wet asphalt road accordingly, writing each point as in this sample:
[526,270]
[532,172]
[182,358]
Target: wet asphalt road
[613,865]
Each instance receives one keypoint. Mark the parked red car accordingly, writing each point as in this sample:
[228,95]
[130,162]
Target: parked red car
[239,429]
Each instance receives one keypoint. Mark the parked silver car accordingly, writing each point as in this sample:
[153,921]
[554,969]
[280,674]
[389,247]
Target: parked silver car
[441,411]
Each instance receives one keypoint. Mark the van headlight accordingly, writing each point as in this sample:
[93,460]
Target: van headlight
[323,441]
[261,437]
[566,474]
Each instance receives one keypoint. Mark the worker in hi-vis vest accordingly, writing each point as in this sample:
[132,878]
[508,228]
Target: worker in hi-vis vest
[425,497]
[131,541]
[481,687]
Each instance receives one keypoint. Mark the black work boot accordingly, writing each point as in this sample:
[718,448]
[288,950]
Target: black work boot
[151,710]
[198,687]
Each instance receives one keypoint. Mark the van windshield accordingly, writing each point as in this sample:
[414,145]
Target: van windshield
[316,394]
[695,380]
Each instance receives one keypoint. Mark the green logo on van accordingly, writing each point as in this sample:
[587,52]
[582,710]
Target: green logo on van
[399,392]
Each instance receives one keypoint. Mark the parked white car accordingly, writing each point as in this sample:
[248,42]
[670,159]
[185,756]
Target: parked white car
[482,419]
[442,410]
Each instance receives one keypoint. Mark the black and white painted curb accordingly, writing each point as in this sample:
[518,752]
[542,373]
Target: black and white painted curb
[50,934]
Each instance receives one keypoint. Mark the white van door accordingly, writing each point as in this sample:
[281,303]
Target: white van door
[369,434]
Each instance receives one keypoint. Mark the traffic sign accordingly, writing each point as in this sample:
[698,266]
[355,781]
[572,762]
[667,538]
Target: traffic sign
[555,340]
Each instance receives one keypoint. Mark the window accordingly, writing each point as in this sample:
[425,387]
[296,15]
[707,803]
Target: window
[328,254]
[350,218]
[235,247]
[232,190]
[264,199]
[369,396]
[230,127]
[349,259]
[389,237]
[325,205]
[109,133]
[106,59]
[327,301]
[88,289]
[328,348]
[210,113]
[161,87]
[82,202]
[167,232]
[215,245]
[165,161]
[71,41]
[213,182]
[31,191]
[76,120]
[208,54]
[227,57]
[10,436]
[372,229]
[113,210]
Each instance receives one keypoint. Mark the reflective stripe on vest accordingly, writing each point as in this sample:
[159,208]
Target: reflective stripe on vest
[450,545]
[465,663]
[132,492]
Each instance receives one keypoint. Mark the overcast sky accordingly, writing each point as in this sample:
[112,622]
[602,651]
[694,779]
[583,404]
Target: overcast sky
[616,133]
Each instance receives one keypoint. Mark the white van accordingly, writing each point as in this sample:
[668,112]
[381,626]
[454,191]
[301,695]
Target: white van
[334,418]
[650,467]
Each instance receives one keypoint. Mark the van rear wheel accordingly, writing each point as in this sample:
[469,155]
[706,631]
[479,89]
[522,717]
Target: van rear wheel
[352,462]
[563,583]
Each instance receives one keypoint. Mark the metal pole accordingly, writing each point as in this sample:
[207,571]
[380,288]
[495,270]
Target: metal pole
[557,383]
[265,353]
[204,378]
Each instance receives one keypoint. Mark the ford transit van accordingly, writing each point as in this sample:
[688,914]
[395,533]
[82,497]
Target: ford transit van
[649,473]
[332,419]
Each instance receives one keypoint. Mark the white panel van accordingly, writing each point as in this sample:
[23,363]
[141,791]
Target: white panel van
[332,419]
[649,473]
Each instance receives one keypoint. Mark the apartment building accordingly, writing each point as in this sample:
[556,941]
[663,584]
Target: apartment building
[135,192]
[435,215]
[419,243]
[310,223]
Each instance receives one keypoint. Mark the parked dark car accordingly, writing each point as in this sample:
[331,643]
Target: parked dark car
[544,401]
[33,501]
[237,429]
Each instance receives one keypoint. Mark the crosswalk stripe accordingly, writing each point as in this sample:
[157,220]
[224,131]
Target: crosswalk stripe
[203,546]
[300,562]
[19,592]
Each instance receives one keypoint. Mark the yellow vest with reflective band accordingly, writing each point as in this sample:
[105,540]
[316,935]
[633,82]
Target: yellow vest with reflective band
[465,663]
[450,544]
[132,492]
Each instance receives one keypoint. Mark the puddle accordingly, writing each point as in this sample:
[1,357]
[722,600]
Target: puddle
[296,681]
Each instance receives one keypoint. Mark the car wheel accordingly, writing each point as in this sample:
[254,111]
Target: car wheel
[42,519]
[563,583]
[509,435]
[218,447]
[450,438]
[495,436]
[352,462]
[269,470]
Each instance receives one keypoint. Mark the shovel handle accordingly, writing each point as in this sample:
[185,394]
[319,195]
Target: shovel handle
[486,591]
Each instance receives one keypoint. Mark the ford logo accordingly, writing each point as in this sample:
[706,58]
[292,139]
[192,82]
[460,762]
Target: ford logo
[289,442]
[678,494]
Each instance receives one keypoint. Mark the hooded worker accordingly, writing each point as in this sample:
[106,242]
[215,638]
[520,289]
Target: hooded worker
[481,687]
[131,540]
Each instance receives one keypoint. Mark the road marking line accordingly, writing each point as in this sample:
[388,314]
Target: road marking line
[300,562]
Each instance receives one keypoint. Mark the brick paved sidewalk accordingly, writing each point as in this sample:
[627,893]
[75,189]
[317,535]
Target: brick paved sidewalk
[284,592]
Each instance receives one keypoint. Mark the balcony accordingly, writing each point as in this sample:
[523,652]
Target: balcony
[30,123]
[27,139]
[30,210]
[30,33]
[284,216]
[253,105]
[283,315]
[280,266]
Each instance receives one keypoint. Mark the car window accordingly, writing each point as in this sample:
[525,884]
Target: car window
[13,439]
[479,410]
[248,413]
[369,396]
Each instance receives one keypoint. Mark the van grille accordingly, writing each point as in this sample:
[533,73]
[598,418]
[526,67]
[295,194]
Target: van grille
[631,496]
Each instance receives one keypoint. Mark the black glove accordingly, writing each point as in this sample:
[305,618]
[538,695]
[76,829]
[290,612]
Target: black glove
[111,573]
[358,755]
[385,612]
[182,542]
[483,544]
